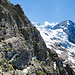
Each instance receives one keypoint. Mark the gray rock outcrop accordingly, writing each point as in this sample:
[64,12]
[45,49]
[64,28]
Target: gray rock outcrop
[20,41]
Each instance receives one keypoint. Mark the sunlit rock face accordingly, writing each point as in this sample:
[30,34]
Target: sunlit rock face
[19,39]
[22,49]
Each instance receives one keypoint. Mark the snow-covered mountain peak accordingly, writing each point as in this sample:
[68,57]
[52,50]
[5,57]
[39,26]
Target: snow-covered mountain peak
[46,23]
[36,23]
[68,23]
[69,28]
[61,38]
[64,25]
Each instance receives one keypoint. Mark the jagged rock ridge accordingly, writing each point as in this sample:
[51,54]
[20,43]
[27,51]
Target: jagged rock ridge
[20,41]
[18,35]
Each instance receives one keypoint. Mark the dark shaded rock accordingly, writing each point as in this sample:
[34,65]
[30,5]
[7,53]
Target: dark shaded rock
[69,70]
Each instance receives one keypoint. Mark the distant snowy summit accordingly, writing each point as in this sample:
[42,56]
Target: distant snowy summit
[69,28]
[61,38]
[46,24]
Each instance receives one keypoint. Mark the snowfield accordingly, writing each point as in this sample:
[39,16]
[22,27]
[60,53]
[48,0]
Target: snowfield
[57,40]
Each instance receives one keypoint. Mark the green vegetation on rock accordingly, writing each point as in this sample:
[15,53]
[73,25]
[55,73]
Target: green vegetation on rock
[11,68]
[5,49]
[28,73]
[40,72]
[2,69]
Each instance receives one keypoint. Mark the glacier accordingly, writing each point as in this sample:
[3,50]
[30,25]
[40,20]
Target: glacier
[56,38]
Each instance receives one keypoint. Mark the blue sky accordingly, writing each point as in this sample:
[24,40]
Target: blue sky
[48,10]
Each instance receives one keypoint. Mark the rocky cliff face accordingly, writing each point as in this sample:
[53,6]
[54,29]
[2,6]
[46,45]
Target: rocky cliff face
[18,36]
[20,42]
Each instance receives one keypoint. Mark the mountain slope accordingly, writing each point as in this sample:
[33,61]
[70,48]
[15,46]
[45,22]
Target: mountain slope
[18,40]
[57,38]
[69,28]
[22,49]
